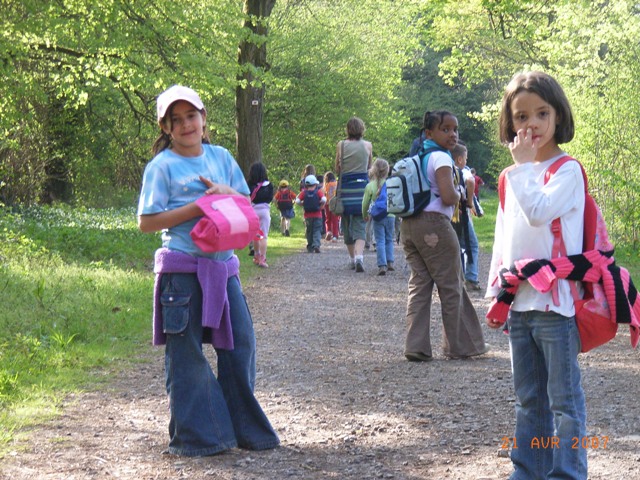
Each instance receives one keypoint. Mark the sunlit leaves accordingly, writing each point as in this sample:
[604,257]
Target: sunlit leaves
[591,48]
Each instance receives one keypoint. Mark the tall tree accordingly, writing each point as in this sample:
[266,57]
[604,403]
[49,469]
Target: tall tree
[252,61]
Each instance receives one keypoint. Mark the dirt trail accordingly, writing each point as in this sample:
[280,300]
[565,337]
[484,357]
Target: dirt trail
[335,385]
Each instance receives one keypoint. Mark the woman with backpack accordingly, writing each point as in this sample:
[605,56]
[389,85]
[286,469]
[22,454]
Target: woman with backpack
[353,160]
[374,205]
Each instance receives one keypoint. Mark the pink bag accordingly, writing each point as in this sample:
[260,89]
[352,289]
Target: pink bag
[229,223]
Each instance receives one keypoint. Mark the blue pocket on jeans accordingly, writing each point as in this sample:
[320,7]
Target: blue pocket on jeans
[175,312]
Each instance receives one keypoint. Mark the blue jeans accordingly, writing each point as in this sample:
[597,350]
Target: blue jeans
[314,232]
[383,233]
[550,402]
[209,414]
[471,265]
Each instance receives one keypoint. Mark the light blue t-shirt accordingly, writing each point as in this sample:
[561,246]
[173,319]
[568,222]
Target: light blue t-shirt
[171,181]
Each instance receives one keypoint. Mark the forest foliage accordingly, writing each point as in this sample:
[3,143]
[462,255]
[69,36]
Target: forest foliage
[79,80]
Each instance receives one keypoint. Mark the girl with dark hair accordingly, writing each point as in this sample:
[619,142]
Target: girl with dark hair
[261,196]
[543,335]
[432,251]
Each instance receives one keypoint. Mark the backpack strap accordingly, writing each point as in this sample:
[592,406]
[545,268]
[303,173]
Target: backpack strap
[258,187]
[502,185]
[559,249]
[424,153]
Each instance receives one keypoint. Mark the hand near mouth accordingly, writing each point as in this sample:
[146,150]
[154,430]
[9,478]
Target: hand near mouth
[524,147]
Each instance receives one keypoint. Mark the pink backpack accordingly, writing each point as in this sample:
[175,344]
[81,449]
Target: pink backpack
[593,315]
[229,223]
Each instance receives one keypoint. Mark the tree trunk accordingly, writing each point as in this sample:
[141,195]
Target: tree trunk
[249,92]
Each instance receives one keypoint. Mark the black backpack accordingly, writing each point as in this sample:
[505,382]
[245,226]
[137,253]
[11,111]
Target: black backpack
[311,201]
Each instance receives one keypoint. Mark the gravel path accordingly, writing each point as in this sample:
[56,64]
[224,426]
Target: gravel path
[347,405]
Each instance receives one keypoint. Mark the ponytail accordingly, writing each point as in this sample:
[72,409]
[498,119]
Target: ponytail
[162,142]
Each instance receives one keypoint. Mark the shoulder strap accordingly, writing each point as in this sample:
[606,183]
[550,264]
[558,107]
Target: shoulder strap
[502,184]
[559,249]
[555,166]
[258,187]
[424,153]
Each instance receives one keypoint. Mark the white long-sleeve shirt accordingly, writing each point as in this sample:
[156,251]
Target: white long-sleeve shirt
[523,229]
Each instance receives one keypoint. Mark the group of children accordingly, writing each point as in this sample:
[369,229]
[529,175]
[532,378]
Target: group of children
[198,297]
[314,196]
[320,221]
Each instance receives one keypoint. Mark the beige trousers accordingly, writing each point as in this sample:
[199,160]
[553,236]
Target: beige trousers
[432,251]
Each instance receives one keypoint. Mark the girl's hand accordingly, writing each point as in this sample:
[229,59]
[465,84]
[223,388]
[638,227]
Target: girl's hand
[523,148]
[217,188]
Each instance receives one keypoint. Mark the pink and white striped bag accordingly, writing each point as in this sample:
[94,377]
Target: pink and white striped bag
[229,223]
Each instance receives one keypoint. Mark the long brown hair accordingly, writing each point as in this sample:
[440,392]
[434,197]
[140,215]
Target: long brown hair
[379,172]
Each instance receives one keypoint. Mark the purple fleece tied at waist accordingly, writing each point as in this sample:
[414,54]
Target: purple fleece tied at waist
[213,276]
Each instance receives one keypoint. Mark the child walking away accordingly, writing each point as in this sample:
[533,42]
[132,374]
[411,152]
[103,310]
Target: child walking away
[383,227]
[332,221]
[309,169]
[284,199]
[535,118]
[198,297]
[261,195]
[433,253]
[312,200]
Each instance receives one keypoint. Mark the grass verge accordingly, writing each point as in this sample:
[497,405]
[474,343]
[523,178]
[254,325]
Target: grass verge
[77,287]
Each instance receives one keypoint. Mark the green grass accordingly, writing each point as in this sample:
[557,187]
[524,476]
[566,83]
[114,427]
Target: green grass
[485,225]
[77,286]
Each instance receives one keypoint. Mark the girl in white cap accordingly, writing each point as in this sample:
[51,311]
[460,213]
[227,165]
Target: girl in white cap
[198,298]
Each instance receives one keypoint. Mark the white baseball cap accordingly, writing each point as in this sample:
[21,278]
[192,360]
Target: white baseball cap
[175,93]
[311,180]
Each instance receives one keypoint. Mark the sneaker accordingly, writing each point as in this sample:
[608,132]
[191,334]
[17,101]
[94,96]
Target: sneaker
[359,266]
[329,236]
[418,357]
[286,233]
[390,267]
[472,285]
[382,270]
[352,264]
[252,252]
[316,250]
[263,263]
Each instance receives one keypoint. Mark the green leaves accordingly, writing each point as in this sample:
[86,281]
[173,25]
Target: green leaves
[591,48]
